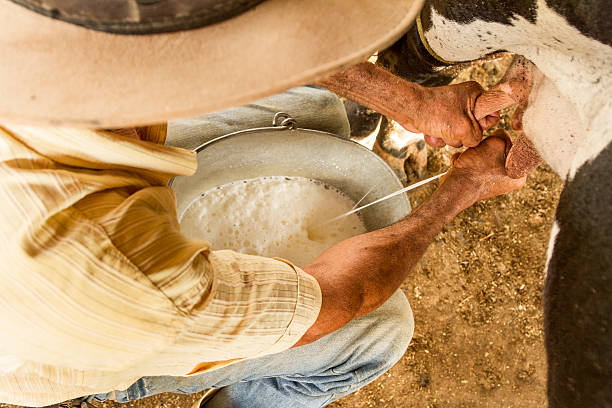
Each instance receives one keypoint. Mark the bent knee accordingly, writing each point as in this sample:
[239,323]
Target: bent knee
[400,323]
[391,327]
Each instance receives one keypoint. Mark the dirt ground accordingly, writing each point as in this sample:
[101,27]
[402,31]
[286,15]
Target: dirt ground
[476,298]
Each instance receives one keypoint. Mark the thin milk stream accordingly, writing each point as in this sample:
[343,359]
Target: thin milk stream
[273,217]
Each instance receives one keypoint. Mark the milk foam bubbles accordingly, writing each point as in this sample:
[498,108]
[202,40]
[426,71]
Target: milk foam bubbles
[272,216]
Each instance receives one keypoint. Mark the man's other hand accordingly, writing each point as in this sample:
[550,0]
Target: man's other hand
[446,116]
[480,172]
[359,274]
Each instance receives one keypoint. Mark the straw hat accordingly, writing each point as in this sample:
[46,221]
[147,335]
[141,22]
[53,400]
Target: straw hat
[112,63]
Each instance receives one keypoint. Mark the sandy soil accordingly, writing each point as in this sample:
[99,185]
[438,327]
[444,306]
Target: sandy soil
[476,297]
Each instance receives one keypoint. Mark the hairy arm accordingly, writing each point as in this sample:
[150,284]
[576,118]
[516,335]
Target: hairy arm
[359,274]
[380,90]
[444,114]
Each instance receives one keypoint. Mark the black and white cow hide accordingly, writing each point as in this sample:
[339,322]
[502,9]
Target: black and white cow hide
[569,120]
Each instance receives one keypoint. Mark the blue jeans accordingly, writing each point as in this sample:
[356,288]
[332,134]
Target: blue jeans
[318,373]
[308,376]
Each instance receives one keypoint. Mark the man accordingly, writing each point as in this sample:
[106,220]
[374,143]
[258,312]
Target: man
[102,297]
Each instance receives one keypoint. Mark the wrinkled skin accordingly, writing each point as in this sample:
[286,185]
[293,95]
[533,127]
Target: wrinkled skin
[359,274]
[514,88]
[454,114]
[444,113]
[477,164]
[449,116]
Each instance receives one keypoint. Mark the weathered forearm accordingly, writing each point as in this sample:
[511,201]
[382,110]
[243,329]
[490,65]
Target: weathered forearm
[443,114]
[380,90]
[359,274]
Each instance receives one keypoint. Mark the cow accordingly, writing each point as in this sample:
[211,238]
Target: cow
[568,118]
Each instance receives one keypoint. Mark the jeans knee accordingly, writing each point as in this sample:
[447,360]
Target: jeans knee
[384,336]
[399,326]
[387,332]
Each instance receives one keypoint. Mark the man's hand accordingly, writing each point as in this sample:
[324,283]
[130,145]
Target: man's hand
[480,172]
[359,274]
[446,116]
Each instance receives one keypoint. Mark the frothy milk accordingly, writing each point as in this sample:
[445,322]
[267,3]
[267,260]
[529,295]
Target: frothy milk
[272,216]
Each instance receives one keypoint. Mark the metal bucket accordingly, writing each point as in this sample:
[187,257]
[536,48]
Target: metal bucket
[289,151]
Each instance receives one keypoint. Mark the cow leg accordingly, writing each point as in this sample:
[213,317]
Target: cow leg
[405,152]
[578,292]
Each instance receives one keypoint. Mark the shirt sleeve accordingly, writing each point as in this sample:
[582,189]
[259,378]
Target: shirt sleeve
[234,305]
[273,303]
[96,274]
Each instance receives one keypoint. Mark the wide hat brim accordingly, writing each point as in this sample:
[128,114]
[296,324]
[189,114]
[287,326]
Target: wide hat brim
[57,73]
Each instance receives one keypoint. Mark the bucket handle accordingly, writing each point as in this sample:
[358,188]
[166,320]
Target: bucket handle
[282,119]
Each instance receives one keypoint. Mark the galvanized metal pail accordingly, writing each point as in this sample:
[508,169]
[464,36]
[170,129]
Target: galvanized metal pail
[285,150]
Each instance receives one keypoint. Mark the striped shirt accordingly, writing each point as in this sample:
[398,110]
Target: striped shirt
[99,287]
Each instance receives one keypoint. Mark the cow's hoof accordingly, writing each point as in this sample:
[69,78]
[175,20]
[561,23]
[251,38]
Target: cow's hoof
[405,152]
